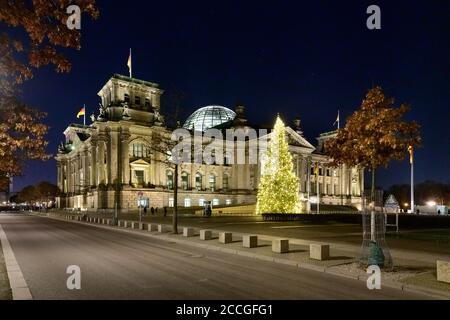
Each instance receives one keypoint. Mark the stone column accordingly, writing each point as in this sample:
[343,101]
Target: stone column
[93,171]
[68,173]
[301,175]
[58,175]
[125,157]
[101,159]
[113,157]
[76,180]
[85,161]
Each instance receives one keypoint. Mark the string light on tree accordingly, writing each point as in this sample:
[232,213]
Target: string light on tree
[279,187]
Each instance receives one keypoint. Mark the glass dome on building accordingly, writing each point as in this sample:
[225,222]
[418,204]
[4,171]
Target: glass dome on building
[208,117]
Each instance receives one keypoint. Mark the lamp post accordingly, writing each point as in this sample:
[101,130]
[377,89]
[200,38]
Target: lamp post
[411,161]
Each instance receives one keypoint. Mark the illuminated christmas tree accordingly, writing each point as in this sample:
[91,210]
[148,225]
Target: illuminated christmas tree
[278,190]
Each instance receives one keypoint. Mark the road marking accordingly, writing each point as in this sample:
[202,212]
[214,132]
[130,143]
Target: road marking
[19,287]
[313,226]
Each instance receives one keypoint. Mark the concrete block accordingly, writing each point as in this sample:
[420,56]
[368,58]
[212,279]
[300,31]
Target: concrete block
[249,241]
[225,237]
[443,271]
[121,223]
[188,232]
[161,228]
[280,245]
[141,226]
[152,227]
[108,222]
[134,225]
[205,234]
[319,251]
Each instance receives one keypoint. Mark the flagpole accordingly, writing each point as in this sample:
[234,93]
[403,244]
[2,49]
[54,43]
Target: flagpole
[131,64]
[339,120]
[84,115]
[412,180]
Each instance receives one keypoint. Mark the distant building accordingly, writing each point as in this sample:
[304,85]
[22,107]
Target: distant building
[391,205]
[6,195]
[111,161]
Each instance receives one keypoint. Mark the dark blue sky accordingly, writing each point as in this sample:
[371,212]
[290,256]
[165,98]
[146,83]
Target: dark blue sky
[305,58]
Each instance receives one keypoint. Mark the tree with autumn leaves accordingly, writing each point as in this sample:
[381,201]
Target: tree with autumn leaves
[22,132]
[374,135]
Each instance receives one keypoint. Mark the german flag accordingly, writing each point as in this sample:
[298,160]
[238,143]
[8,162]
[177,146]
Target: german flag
[82,112]
[316,169]
[411,154]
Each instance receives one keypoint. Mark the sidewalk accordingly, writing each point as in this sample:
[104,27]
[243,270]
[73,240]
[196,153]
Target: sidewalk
[5,290]
[413,271]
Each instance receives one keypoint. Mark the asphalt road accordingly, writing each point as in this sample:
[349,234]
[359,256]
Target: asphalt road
[117,265]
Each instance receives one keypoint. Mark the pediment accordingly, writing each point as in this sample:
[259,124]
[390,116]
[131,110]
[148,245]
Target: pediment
[140,162]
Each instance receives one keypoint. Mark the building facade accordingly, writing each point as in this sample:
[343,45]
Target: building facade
[121,159]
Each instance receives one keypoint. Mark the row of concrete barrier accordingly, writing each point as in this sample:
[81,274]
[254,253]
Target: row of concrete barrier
[317,251]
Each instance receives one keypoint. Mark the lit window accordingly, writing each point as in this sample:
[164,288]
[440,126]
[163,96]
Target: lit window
[139,176]
[201,202]
[171,203]
[212,182]
[184,181]
[225,182]
[187,202]
[215,202]
[169,176]
[198,181]
[228,202]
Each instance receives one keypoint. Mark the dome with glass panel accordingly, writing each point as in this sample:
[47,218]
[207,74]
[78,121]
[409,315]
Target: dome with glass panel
[208,117]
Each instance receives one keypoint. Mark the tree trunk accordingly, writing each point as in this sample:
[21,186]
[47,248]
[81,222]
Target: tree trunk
[175,202]
[372,192]
[373,205]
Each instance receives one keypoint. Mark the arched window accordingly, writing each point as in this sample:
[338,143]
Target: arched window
[212,182]
[169,177]
[225,182]
[184,180]
[198,181]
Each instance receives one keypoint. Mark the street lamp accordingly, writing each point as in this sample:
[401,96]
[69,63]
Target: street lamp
[431,203]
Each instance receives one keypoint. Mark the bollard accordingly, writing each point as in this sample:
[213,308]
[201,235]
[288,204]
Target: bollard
[161,228]
[205,234]
[188,232]
[280,246]
[152,227]
[319,251]
[225,237]
[250,241]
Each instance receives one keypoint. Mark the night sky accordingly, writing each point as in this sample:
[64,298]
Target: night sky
[298,58]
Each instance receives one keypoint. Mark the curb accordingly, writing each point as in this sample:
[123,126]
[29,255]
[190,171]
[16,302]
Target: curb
[17,282]
[389,284]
